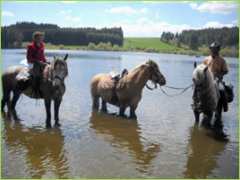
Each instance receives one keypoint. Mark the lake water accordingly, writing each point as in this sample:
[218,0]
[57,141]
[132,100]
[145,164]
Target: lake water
[162,142]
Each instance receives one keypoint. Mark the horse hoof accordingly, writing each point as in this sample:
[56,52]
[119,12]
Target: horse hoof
[57,124]
[133,117]
[48,126]
[221,136]
[122,116]
[104,111]
[207,125]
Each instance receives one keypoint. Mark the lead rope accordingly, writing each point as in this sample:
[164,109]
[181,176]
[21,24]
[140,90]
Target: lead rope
[176,88]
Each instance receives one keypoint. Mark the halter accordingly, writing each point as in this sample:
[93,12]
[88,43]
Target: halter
[58,77]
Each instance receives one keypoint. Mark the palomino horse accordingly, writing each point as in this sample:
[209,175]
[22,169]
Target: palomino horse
[126,92]
[206,96]
[52,87]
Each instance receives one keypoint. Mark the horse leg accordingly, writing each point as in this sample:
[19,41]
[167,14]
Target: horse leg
[16,95]
[5,99]
[47,103]
[122,111]
[196,115]
[95,103]
[206,122]
[57,103]
[132,112]
[104,106]
[218,116]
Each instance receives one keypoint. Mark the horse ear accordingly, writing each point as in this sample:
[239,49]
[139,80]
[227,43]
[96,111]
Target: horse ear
[65,58]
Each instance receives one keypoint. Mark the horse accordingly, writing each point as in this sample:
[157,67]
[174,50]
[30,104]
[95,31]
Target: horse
[206,97]
[127,91]
[51,86]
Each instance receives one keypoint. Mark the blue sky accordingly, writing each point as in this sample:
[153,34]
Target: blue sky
[146,19]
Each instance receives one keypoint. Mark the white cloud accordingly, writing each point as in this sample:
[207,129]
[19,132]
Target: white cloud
[71,19]
[68,2]
[144,27]
[235,22]
[215,7]
[64,12]
[147,28]
[216,24]
[8,14]
[127,10]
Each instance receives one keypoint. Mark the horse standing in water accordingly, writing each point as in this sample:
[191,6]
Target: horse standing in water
[207,99]
[52,87]
[126,92]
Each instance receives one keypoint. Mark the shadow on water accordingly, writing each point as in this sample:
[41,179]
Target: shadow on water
[203,151]
[126,135]
[44,148]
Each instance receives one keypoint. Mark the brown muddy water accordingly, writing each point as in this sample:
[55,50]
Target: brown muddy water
[163,142]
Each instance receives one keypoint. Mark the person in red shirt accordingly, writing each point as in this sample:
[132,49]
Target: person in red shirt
[36,61]
[35,50]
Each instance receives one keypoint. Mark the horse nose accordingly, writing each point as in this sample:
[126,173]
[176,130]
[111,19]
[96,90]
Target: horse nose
[162,81]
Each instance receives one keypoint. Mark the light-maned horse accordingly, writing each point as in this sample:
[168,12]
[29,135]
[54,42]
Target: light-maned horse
[128,90]
[52,87]
[207,93]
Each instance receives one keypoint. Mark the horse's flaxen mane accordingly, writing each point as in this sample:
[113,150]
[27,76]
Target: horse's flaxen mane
[137,68]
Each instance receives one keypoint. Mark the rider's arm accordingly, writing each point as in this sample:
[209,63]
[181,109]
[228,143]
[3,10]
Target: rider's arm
[30,57]
[224,67]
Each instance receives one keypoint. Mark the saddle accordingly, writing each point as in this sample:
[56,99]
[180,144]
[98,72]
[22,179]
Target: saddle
[116,78]
[32,78]
[229,92]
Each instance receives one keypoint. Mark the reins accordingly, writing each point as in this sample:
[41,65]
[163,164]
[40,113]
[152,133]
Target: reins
[175,88]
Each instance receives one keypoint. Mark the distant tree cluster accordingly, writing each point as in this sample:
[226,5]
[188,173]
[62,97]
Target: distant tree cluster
[196,38]
[167,36]
[14,35]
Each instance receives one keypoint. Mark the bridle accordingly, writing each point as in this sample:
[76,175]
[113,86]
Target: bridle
[155,84]
[59,78]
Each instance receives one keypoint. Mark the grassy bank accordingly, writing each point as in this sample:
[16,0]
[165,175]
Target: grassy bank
[144,45]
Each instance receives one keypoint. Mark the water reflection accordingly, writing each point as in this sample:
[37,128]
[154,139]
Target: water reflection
[125,135]
[44,149]
[203,150]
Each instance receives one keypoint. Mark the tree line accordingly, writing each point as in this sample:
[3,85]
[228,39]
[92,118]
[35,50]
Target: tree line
[14,35]
[227,37]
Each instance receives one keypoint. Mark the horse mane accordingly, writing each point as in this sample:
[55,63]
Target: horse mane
[209,94]
[132,76]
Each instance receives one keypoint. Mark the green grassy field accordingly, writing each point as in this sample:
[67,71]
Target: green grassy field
[148,43]
[152,44]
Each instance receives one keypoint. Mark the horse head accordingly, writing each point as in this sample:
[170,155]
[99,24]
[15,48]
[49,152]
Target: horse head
[59,70]
[201,75]
[155,75]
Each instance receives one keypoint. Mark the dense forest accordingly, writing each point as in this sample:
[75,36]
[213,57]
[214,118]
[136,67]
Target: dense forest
[186,42]
[14,35]
[228,37]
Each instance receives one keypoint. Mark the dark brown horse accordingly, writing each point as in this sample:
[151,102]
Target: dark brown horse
[52,87]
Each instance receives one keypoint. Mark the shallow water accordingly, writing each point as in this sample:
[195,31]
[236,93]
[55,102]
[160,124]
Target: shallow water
[162,142]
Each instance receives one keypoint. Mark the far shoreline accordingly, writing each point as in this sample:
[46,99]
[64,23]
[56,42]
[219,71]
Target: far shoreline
[133,51]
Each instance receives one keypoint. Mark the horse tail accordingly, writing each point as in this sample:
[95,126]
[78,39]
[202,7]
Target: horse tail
[6,90]
[94,94]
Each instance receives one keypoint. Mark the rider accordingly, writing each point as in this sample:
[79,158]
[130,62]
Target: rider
[36,60]
[218,66]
